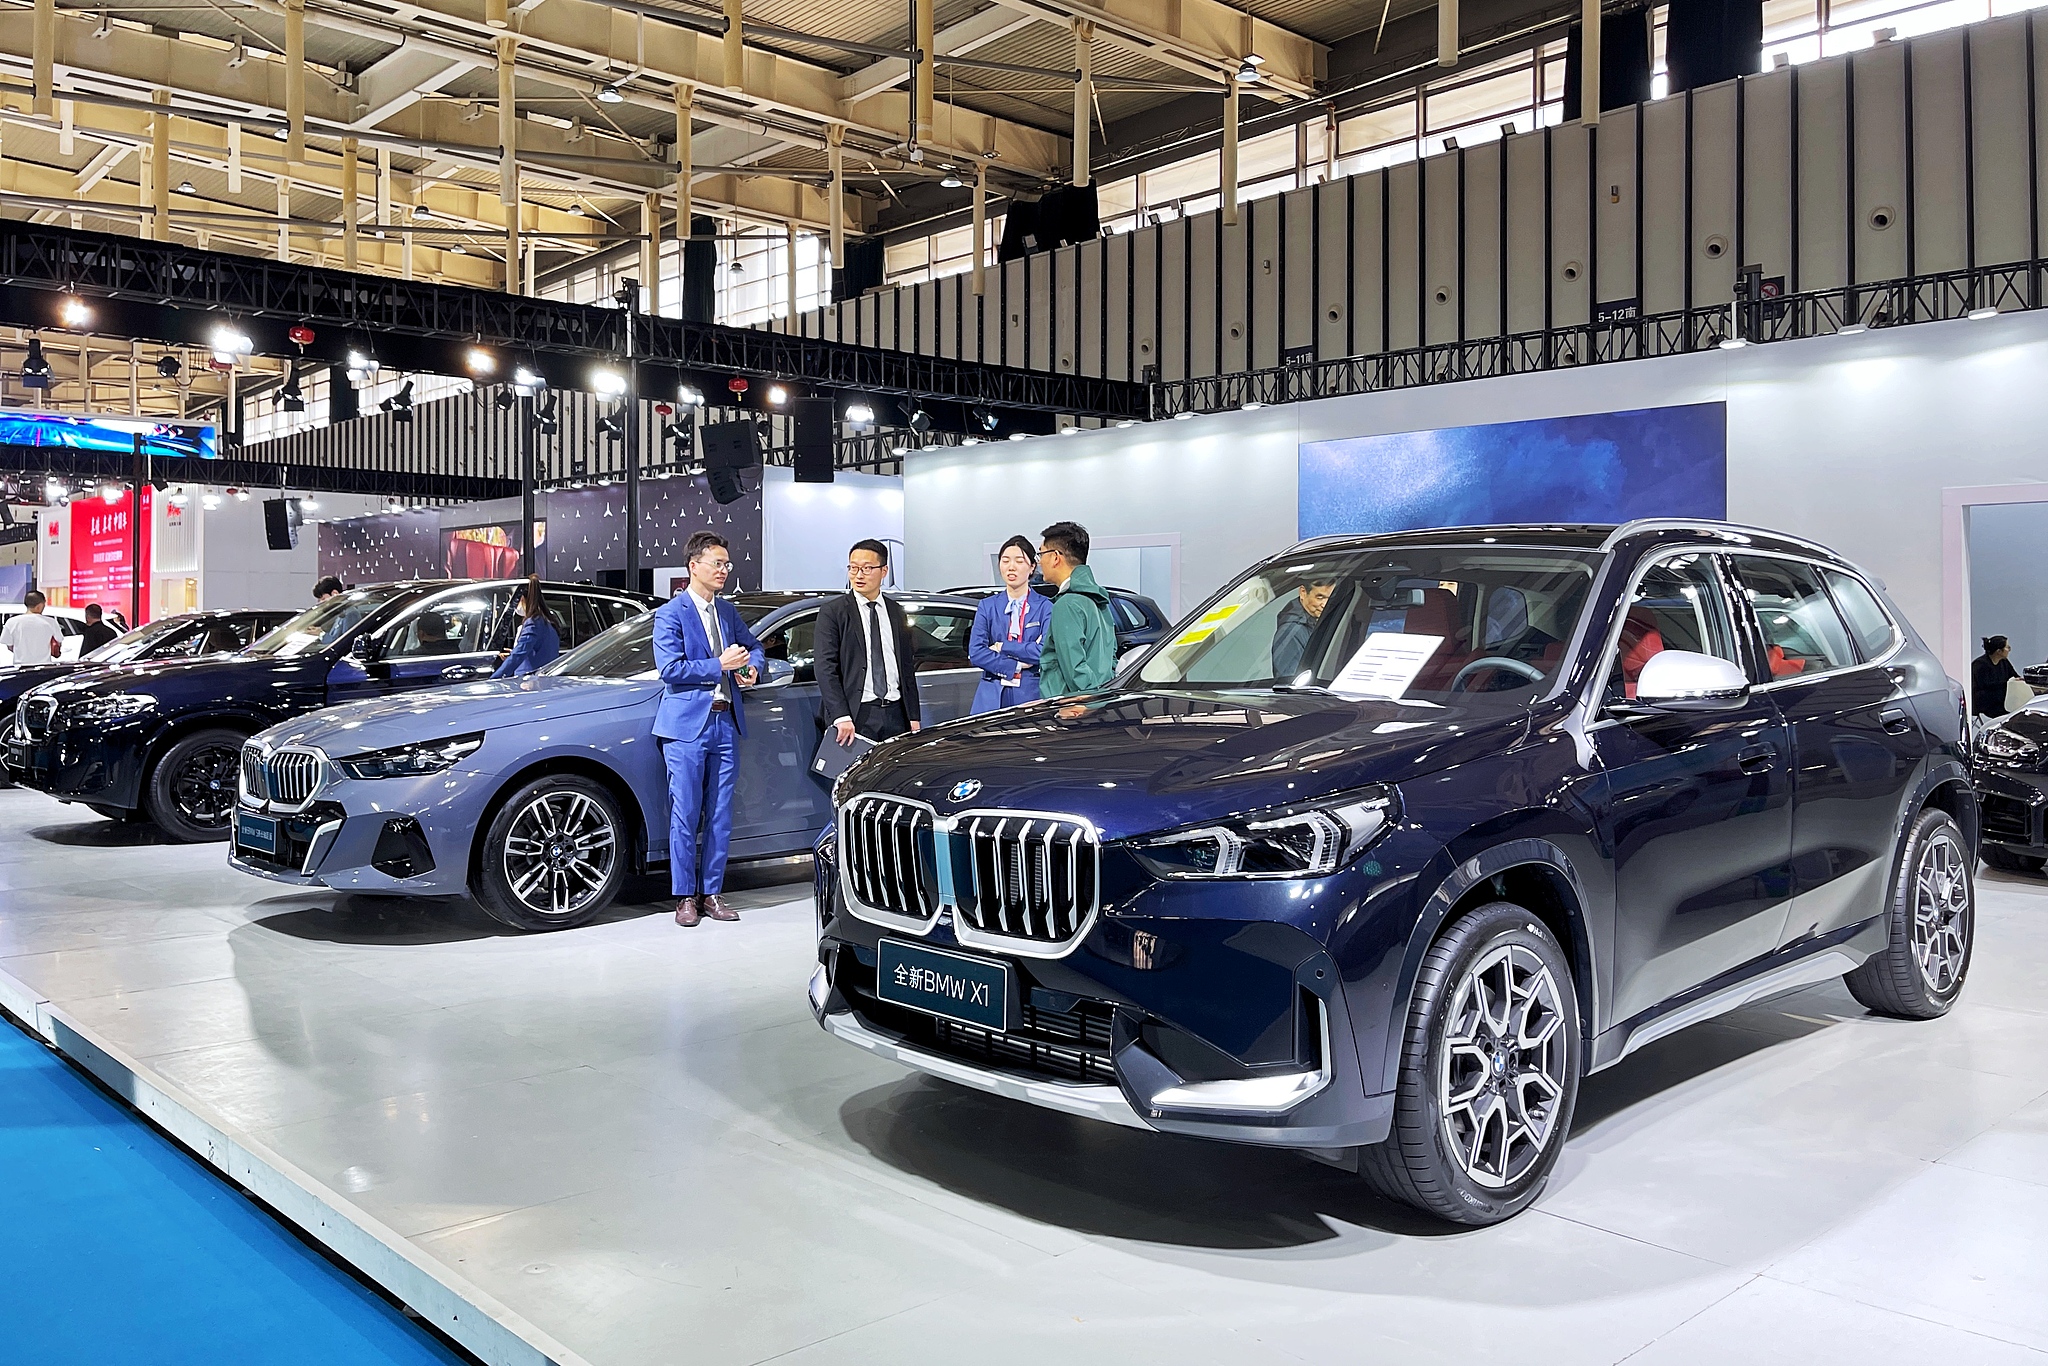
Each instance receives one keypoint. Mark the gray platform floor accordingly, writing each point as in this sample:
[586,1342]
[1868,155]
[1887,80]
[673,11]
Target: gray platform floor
[634,1135]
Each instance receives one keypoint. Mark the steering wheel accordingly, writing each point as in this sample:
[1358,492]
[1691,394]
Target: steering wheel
[1520,666]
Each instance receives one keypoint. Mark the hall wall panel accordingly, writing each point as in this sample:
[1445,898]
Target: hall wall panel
[1481,315]
[1528,232]
[1331,302]
[1368,264]
[1439,237]
[1614,209]
[1264,319]
[1043,322]
[1998,84]
[1203,288]
[1880,153]
[1398,289]
[1571,241]
[1176,307]
[1766,179]
[1940,173]
[1300,259]
[1823,181]
[1146,247]
[1714,233]
[1117,259]
[1085,346]
[1013,312]
[948,303]
[1233,292]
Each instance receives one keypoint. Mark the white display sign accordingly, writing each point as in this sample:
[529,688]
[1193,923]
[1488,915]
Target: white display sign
[1385,665]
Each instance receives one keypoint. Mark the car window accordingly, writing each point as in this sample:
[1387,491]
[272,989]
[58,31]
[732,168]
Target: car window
[453,625]
[586,618]
[1127,614]
[327,622]
[624,651]
[1677,605]
[1803,634]
[223,637]
[612,611]
[938,637]
[1875,635]
[795,643]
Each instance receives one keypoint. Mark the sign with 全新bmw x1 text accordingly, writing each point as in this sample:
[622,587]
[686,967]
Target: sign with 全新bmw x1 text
[952,986]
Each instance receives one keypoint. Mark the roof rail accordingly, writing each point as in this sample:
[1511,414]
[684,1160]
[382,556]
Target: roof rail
[1643,524]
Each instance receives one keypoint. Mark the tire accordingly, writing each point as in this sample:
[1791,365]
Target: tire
[1458,1161]
[1932,920]
[554,856]
[2007,860]
[191,791]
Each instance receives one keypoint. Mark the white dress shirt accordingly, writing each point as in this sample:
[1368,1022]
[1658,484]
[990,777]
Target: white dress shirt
[707,614]
[890,686]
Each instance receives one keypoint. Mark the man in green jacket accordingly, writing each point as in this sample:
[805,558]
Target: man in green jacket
[1080,642]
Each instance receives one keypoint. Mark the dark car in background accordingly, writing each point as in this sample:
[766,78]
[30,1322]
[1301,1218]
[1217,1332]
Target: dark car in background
[2011,765]
[185,636]
[1518,802]
[450,793]
[1137,618]
[162,738]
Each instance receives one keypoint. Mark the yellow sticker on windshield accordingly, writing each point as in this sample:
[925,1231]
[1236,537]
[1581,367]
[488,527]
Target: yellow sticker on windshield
[1208,624]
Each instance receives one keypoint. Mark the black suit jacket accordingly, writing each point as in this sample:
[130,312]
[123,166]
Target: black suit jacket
[842,647]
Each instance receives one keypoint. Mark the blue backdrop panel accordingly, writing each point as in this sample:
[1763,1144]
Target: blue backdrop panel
[123,1248]
[1600,467]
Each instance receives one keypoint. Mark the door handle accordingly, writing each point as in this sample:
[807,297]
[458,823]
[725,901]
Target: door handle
[456,673]
[1895,720]
[1757,758]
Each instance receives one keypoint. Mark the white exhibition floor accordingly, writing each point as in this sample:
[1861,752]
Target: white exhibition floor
[634,1136]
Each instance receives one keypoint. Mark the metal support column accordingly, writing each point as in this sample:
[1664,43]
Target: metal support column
[980,227]
[350,239]
[835,154]
[43,58]
[295,80]
[1229,195]
[1446,32]
[1589,63]
[1084,96]
[527,422]
[160,166]
[631,412]
[923,68]
[650,248]
[735,48]
[508,156]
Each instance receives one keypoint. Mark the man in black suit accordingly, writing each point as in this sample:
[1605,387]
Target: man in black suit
[867,673]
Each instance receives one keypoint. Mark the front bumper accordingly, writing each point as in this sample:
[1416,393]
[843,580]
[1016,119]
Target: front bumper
[101,765]
[401,836]
[1128,1027]
[2012,808]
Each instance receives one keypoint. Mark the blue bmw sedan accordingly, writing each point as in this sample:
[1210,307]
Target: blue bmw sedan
[1398,837]
[540,795]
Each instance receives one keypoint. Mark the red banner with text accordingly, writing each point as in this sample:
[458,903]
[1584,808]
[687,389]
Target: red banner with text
[103,551]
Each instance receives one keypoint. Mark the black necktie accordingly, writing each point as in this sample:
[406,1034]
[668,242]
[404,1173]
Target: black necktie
[878,663]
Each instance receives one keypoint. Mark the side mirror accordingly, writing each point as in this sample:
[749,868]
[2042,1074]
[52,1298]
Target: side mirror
[1683,681]
[775,673]
[366,649]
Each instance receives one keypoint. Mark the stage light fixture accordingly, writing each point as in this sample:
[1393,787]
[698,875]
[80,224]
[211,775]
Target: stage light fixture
[169,366]
[526,381]
[111,493]
[399,405]
[73,311]
[361,365]
[544,416]
[1020,436]
[690,396]
[1126,422]
[860,414]
[1852,330]
[1978,315]
[241,495]
[985,418]
[308,505]
[1250,405]
[951,180]
[612,427]
[480,361]
[608,383]
[291,398]
[55,489]
[920,421]
[35,366]
[777,395]
[232,341]
[900,448]
[209,501]
[1182,417]
[1733,343]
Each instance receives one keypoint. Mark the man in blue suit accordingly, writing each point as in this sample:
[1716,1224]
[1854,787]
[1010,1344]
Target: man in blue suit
[705,655]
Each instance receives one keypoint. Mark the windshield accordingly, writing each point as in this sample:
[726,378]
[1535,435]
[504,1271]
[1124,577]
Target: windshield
[625,651]
[752,610]
[1422,624]
[320,626]
[121,649]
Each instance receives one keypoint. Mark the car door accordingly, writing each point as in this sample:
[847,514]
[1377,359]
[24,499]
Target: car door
[946,677]
[447,639]
[780,803]
[1693,808]
[1856,742]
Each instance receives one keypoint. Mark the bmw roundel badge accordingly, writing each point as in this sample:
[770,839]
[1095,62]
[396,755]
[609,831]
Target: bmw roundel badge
[965,789]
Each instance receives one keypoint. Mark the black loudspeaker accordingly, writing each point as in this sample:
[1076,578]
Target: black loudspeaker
[1710,41]
[862,271]
[1624,61]
[730,445]
[725,484]
[1020,231]
[700,272]
[1068,215]
[341,395]
[281,523]
[815,419]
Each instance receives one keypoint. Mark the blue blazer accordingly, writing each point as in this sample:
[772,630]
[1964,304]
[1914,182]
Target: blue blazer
[689,666]
[1019,659]
[537,645]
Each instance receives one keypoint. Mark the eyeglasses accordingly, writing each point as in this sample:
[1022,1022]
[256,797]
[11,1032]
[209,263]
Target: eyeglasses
[716,566]
[865,568]
[1047,551]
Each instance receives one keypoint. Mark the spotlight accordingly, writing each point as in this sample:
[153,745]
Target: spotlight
[986,419]
[73,311]
[1248,70]
[179,498]
[777,395]
[607,382]
[55,489]
[168,366]
[527,382]
[185,187]
[612,426]
[1978,315]
[209,501]
[361,365]
[951,180]
[231,342]
[399,405]
[241,495]
[1507,130]
[690,396]
[422,211]
[544,416]
[35,367]
[1019,436]
[308,505]
[1126,422]
[1450,144]
[1182,417]
[111,493]
[480,361]
[291,398]
[1734,343]
[920,421]
[610,94]
[505,399]
[859,414]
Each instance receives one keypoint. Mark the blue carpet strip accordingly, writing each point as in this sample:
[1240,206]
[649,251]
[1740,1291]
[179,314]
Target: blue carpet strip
[117,1246]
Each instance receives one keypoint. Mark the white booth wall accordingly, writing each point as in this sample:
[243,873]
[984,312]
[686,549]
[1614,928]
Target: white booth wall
[2009,577]
[1848,440]
[806,528]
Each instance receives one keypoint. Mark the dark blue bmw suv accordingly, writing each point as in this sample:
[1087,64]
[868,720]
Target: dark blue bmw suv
[1398,837]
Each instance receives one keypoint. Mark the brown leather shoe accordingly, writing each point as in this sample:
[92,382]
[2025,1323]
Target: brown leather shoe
[686,912]
[716,909]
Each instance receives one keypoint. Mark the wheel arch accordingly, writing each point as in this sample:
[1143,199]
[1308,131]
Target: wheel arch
[160,744]
[581,766]
[1534,871]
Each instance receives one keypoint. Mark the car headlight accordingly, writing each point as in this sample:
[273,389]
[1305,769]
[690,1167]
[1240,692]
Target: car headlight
[1304,841]
[2003,744]
[411,761]
[117,707]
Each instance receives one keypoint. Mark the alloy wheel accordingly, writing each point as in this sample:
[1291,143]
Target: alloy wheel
[1941,913]
[203,789]
[559,852]
[1501,1077]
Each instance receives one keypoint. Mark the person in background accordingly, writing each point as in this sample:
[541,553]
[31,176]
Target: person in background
[705,655]
[433,636]
[867,672]
[30,636]
[96,632]
[1079,652]
[1009,631]
[327,587]
[1296,623]
[537,644]
[1989,673]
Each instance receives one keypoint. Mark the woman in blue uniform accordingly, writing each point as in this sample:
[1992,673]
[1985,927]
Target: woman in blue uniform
[537,644]
[1009,628]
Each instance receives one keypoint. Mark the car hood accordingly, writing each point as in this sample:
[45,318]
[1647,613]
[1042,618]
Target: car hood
[182,677]
[19,678]
[410,717]
[1135,762]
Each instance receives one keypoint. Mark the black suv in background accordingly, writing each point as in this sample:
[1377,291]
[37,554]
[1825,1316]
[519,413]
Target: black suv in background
[185,636]
[1138,619]
[161,739]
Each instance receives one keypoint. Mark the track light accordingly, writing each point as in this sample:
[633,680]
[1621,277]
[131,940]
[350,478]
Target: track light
[73,312]
[291,398]
[610,94]
[169,366]
[480,361]
[35,367]
[399,405]
[607,383]
[859,414]
[690,396]
[951,180]
[777,395]
[1248,70]
[231,341]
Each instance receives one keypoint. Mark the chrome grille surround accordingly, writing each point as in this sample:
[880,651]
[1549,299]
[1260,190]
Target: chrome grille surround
[255,776]
[1020,882]
[37,715]
[284,780]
